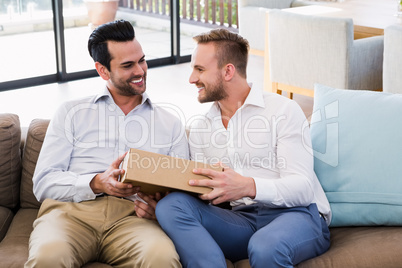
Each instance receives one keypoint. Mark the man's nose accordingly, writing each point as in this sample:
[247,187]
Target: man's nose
[138,70]
[193,78]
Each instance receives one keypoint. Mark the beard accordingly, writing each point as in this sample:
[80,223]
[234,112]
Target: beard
[125,88]
[215,92]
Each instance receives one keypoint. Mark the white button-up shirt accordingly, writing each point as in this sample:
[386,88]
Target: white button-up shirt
[267,139]
[85,136]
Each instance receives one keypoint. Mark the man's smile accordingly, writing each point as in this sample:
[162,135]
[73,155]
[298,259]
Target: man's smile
[137,81]
[200,88]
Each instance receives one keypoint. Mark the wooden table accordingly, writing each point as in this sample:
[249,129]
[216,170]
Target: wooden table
[370,18]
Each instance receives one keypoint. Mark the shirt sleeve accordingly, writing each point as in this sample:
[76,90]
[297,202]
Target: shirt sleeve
[51,177]
[294,160]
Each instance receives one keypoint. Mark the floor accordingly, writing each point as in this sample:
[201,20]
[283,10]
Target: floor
[166,85]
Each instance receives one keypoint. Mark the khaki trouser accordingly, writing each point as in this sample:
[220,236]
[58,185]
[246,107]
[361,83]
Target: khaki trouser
[68,234]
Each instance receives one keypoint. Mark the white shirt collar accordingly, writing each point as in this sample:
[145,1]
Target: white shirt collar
[255,98]
[106,93]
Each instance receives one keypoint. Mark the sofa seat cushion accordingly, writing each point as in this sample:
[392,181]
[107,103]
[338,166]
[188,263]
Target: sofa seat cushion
[14,247]
[10,160]
[356,137]
[6,216]
[361,247]
[357,247]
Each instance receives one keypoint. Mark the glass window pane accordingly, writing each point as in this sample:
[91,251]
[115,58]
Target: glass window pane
[27,47]
[77,29]
[150,18]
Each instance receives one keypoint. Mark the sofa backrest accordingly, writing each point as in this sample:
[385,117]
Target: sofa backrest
[304,50]
[33,144]
[10,160]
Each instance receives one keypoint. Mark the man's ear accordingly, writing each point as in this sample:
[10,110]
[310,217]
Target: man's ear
[229,70]
[102,71]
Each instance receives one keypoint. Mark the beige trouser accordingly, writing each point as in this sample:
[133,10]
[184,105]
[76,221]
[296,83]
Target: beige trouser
[68,234]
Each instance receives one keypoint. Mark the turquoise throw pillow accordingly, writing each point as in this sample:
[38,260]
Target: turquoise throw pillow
[357,145]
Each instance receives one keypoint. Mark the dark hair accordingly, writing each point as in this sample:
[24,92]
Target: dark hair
[230,48]
[118,31]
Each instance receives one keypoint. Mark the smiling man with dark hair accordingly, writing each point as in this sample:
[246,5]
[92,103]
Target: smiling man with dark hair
[87,214]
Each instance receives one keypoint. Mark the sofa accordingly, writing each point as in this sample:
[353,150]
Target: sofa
[366,229]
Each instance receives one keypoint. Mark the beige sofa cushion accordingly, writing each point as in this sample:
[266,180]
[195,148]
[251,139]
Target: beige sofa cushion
[6,216]
[361,247]
[33,144]
[357,247]
[14,247]
[10,160]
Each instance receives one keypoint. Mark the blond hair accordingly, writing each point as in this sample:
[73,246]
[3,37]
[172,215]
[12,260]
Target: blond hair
[230,48]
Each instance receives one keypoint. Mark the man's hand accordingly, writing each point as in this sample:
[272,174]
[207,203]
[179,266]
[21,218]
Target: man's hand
[227,185]
[107,182]
[147,211]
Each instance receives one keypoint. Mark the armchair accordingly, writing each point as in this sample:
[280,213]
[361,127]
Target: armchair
[252,20]
[392,79]
[304,50]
